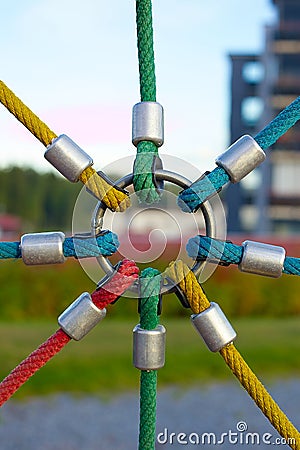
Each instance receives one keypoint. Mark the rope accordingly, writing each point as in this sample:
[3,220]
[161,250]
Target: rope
[143,181]
[113,198]
[204,248]
[285,120]
[126,275]
[188,283]
[150,282]
[191,198]
[105,244]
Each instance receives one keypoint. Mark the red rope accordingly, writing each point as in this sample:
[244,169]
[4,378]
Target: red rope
[122,280]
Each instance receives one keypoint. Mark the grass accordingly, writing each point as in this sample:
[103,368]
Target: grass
[101,363]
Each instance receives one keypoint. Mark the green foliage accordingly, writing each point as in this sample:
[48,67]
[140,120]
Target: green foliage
[44,201]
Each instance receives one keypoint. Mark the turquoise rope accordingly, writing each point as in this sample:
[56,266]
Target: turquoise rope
[285,120]
[143,180]
[191,198]
[202,248]
[106,244]
[150,281]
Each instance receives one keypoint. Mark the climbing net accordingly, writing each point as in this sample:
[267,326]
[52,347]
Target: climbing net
[147,178]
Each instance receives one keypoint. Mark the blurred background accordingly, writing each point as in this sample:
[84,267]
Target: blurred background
[223,69]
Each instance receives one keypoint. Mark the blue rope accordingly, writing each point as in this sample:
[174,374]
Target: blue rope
[280,125]
[10,250]
[202,248]
[105,244]
[191,198]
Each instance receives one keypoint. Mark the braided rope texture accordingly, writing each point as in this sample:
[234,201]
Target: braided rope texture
[115,199]
[203,248]
[105,244]
[191,198]
[122,280]
[285,120]
[31,121]
[32,364]
[143,181]
[185,278]
[150,282]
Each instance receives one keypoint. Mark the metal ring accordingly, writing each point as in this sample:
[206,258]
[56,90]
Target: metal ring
[161,175]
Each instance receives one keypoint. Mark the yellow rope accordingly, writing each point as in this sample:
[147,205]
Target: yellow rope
[15,106]
[185,278]
[113,198]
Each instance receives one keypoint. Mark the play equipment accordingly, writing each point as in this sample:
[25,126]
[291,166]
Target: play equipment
[148,180]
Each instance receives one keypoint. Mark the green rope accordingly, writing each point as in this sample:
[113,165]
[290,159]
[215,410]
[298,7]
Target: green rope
[143,181]
[150,281]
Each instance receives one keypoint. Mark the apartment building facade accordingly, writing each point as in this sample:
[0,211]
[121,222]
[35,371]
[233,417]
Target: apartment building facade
[268,200]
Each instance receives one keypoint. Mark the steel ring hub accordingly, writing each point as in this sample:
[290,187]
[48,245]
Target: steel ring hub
[160,175]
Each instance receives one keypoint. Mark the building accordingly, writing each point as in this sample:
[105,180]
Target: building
[268,200]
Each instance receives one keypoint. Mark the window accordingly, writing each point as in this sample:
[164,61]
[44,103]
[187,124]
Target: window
[252,108]
[253,72]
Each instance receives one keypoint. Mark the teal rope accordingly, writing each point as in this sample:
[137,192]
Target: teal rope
[202,248]
[145,50]
[150,282]
[285,120]
[105,244]
[143,181]
[191,198]
[10,250]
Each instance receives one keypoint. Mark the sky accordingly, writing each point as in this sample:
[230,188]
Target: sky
[74,63]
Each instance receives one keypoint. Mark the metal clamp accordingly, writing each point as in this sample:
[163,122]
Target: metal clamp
[43,248]
[67,157]
[241,158]
[149,348]
[148,123]
[166,175]
[262,259]
[81,317]
[214,327]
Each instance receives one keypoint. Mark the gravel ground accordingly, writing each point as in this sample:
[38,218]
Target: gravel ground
[63,422]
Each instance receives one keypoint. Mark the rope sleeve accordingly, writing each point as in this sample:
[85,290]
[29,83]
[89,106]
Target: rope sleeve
[143,180]
[150,282]
[105,244]
[185,278]
[126,275]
